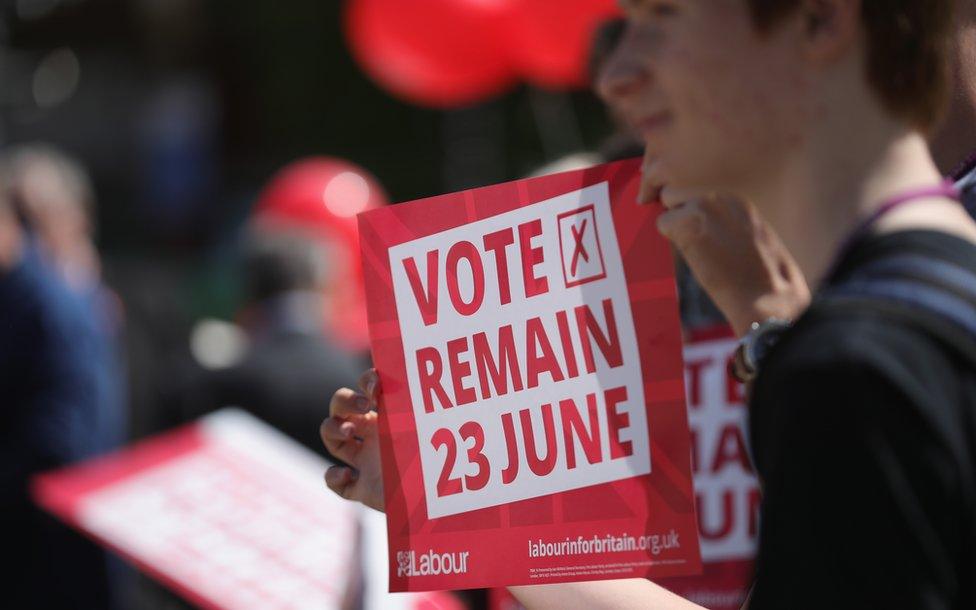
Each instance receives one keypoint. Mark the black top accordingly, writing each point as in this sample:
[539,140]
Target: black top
[288,381]
[864,434]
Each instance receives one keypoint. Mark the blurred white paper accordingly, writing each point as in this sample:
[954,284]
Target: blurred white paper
[228,512]
[233,515]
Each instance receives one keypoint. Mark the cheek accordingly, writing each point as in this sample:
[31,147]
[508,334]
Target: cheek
[753,103]
[711,108]
[734,115]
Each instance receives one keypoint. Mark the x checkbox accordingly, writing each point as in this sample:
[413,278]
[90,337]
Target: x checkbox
[579,243]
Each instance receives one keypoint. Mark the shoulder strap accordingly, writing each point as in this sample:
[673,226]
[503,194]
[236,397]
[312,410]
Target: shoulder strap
[939,295]
[966,183]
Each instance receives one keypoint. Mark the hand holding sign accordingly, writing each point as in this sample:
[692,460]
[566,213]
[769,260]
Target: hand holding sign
[350,434]
[533,427]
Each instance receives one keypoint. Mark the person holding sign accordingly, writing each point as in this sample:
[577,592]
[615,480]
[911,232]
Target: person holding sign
[863,415]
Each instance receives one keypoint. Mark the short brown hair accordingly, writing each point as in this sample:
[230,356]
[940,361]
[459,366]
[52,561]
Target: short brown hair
[908,52]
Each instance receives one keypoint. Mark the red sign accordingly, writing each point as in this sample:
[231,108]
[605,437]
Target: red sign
[726,488]
[725,484]
[534,426]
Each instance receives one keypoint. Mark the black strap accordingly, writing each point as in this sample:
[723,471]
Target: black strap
[932,293]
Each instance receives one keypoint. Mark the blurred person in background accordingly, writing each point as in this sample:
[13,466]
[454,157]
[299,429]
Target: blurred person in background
[57,406]
[53,195]
[291,366]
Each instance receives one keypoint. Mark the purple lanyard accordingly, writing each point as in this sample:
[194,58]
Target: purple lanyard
[946,189]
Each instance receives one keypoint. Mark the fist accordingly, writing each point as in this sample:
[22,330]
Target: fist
[350,433]
[736,257]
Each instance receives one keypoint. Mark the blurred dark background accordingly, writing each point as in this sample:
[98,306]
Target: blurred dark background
[183,276]
[181,110]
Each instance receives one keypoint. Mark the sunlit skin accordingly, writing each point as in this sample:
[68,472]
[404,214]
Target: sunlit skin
[770,117]
[782,119]
[696,104]
[732,251]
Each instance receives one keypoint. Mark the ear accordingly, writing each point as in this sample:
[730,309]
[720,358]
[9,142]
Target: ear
[831,27]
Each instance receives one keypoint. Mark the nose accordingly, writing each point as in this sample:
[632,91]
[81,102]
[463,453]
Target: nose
[623,73]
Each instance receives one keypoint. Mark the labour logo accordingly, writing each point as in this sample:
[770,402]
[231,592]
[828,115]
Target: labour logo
[579,242]
[405,563]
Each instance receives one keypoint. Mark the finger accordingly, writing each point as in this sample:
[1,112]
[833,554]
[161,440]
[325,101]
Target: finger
[650,185]
[337,430]
[648,192]
[340,438]
[346,402]
[340,479]
[681,225]
[328,432]
[369,383]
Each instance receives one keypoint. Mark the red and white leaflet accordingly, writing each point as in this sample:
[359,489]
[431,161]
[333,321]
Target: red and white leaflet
[725,484]
[533,424]
[228,512]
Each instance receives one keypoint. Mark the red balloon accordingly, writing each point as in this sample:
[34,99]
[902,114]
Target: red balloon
[550,40]
[320,197]
[439,53]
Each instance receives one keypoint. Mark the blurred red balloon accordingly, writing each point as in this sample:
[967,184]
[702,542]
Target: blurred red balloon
[550,40]
[320,197]
[439,53]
